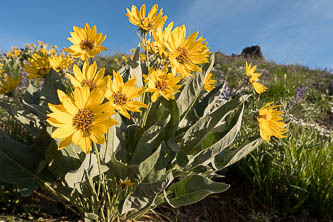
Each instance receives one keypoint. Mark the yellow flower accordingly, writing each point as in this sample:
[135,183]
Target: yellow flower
[270,124]
[160,82]
[161,38]
[81,119]
[254,78]
[27,45]
[120,95]
[17,52]
[8,84]
[89,76]
[43,49]
[126,183]
[132,50]
[1,68]
[209,83]
[55,46]
[145,24]
[87,42]
[124,58]
[52,51]
[186,53]
[40,43]
[143,57]
[39,66]
[60,62]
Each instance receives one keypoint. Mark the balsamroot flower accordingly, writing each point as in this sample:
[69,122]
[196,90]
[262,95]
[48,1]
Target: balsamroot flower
[81,119]
[87,42]
[270,124]
[8,84]
[145,24]
[209,83]
[160,82]
[120,95]
[39,66]
[161,38]
[61,62]
[88,77]
[186,53]
[1,68]
[254,78]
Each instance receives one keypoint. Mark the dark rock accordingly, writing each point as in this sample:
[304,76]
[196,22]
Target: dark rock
[252,52]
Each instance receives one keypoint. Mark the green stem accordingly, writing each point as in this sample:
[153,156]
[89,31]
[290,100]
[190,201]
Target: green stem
[147,54]
[99,169]
[145,115]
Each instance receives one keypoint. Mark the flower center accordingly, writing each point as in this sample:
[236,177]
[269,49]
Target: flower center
[42,71]
[90,83]
[161,85]
[146,24]
[263,116]
[83,119]
[183,57]
[86,45]
[119,99]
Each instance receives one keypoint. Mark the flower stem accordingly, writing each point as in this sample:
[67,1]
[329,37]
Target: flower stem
[99,169]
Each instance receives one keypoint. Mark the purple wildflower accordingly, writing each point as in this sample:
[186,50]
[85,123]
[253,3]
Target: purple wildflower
[219,78]
[227,90]
[300,92]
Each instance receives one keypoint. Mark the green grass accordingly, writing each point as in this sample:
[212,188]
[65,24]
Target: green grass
[294,175]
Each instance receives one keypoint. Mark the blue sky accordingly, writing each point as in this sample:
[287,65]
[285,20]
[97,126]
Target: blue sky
[288,31]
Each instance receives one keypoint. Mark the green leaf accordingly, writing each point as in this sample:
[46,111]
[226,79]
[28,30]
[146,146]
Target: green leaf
[112,143]
[231,156]
[62,161]
[148,142]
[49,94]
[192,88]
[206,104]
[226,138]
[28,119]
[136,173]
[135,68]
[172,125]
[207,124]
[18,163]
[90,217]
[145,195]
[192,189]
[88,170]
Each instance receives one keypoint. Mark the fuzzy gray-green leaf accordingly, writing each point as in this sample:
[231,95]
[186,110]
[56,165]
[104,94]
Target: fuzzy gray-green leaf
[192,189]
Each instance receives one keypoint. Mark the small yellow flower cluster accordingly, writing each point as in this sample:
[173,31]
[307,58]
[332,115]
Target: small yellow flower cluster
[183,55]
[14,52]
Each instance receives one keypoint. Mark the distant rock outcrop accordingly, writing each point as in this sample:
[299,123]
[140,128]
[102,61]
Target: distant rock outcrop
[252,52]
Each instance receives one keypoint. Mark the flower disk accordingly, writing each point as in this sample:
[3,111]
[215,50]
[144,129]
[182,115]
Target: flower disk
[162,83]
[270,124]
[120,95]
[145,24]
[81,119]
[39,66]
[254,78]
[87,42]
